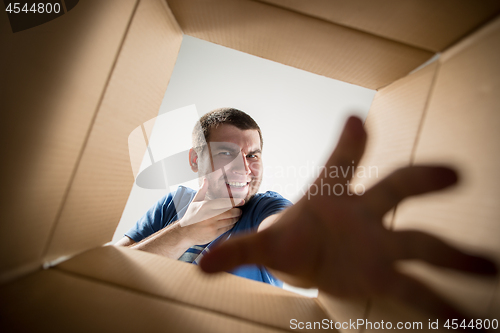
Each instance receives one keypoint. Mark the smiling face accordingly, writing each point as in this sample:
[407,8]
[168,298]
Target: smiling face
[232,163]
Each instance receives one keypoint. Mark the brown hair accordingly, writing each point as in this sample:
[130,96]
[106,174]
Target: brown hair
[217,117]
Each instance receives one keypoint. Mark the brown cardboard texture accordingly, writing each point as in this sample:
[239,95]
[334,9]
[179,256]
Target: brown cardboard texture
[445,21]
[74,88]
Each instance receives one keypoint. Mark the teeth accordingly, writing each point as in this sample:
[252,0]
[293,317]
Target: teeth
[237,184]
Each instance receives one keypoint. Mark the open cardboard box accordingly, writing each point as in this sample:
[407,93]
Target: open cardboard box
[74,88]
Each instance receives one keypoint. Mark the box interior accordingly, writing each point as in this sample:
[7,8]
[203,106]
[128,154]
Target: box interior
[77,86]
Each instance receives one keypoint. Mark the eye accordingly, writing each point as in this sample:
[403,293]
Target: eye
[252,156]
[225,153]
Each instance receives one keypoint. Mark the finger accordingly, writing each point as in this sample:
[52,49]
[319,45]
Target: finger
[408,290]
[225,204]
[419,245]
[213,213]
[227,222]
[226,228]
[403,183]
[200,195]
[348,152]
[233,212]
[249,249]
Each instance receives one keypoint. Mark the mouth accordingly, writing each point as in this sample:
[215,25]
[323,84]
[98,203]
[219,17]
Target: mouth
[239,188]
[237,184]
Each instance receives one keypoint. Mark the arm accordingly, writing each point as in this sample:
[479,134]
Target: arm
[269,221]
[203,222]
[169,242]
[125,241]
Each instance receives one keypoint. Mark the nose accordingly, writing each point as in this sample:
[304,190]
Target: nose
[241,165]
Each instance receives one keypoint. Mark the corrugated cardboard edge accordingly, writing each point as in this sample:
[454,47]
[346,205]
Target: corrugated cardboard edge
[486,29]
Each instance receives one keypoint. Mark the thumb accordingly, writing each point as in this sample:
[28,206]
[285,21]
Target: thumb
[350,148]
[200,195]
[248,249]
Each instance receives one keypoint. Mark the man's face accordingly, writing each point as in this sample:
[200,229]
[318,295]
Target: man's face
[232,163]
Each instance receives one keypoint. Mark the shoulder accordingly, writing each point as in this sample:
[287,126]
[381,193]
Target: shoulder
[183,192]
[181,198]
[272,194]
[259,207]
[171,203]
[267,203]
[269,197]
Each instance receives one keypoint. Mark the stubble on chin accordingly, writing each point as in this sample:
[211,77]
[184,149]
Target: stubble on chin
[253,189]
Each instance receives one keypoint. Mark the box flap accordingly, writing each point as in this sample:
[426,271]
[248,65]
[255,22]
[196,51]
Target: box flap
[56,301]
[495,305]
[392,124]
[297,40]
[393,313]
[430,25]
[101,184]
[461,129]
[344,311]
[186,284]
[52,80]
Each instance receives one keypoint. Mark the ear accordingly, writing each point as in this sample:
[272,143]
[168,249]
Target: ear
[193,160]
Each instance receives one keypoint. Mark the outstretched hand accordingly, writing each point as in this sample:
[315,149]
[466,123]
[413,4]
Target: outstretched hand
[339,244]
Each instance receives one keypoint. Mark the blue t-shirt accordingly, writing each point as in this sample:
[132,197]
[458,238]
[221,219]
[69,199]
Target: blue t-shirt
[261,206]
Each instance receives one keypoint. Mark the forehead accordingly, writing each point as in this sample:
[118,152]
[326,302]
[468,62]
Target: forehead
[245,139]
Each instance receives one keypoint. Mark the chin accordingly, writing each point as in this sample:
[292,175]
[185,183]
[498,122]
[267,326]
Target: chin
[240,196]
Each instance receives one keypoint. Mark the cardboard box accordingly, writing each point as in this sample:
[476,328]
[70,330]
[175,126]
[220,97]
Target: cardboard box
[74,88]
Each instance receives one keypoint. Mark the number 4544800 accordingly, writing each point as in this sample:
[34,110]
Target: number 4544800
[454,324]
[39,8]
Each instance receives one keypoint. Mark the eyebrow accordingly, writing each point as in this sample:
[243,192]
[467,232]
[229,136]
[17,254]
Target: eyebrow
[231,149]
[225,147]
[257,151]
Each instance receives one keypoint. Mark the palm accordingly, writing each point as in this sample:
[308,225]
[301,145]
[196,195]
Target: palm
[349,251]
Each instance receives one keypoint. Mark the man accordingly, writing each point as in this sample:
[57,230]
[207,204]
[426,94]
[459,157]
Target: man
[185,224]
